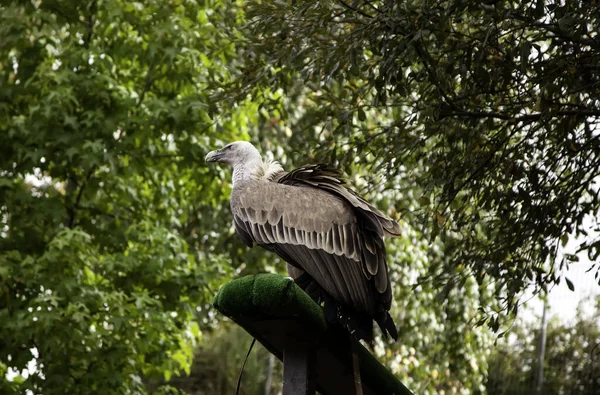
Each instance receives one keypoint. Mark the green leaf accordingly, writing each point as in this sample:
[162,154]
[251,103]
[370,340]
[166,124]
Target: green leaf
[361,115]
[570,284]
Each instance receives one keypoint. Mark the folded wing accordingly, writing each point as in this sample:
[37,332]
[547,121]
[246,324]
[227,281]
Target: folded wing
[327,233]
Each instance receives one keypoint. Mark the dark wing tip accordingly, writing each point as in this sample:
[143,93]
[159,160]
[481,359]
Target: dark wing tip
[392,228]
[387,325]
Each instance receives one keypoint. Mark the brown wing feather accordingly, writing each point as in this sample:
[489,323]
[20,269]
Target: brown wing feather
[322,233]
[372,220]
[326,178]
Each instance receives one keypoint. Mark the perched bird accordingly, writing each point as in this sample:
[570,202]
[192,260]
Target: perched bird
[331,238]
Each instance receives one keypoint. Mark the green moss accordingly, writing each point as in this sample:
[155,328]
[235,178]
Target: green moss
[268,296]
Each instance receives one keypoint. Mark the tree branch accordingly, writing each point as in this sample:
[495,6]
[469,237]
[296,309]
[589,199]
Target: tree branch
[482,166]
[555,28]
[522,118]
[427,62]
[348,6]
[75,206]
[90,23]
[147,84]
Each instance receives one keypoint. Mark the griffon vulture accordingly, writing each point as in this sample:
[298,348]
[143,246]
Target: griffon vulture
[331,238]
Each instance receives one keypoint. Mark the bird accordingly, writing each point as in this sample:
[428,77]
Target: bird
[330,237]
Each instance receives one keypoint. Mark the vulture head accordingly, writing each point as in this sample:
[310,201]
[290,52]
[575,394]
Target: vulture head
[236,153]
[246,161]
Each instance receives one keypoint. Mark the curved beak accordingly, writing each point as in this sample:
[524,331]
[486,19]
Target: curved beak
[213,156]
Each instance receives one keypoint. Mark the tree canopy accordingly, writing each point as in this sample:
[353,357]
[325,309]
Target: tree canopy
[486,112]
[105,270]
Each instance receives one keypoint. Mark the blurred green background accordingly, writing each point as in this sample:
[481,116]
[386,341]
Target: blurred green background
[474,124]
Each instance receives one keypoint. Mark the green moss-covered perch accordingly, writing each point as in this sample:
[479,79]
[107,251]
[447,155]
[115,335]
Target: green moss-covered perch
[272,309]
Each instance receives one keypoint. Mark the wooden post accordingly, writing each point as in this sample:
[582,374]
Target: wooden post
[299,362]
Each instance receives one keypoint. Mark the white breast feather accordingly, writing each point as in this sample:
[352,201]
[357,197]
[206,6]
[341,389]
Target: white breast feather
[267,169]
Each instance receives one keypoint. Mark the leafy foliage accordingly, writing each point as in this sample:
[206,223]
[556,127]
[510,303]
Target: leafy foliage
[488,112]
[104,213]
[475,122]
[218,361]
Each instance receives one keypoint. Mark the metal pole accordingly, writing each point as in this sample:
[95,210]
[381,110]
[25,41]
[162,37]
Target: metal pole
[270,367]
[541,353]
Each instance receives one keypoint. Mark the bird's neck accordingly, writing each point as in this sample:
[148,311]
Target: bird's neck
[245,171]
